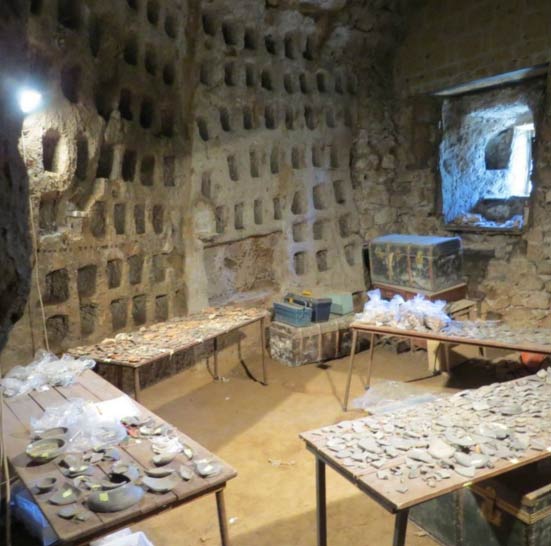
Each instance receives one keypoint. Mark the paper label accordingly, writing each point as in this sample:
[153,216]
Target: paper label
[104,497]
[67,493]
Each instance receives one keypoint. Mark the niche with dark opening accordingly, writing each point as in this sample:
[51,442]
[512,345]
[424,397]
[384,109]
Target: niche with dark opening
[129,165]
[169,170]
[146,113]
[171,27]
[250,39]
[119,218]
[299,262]
[125,104]
[147,170]
[69,13]
[238,216]
[70,82]
[86,281]
[105,161]
[95,33]
[153,10]
[56,288]
[486,156]
[130,52]
[150,61]
[82,158]
[51,151]
[230,33]
[258,212]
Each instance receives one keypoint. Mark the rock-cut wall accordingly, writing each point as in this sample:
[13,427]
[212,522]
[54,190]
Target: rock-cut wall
[188,151]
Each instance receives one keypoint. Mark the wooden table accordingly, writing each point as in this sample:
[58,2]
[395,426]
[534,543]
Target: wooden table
[382,492]
[444,340]
[89,386]
[152,344]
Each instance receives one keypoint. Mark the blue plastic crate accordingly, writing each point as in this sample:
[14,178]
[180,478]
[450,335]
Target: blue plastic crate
[290,313]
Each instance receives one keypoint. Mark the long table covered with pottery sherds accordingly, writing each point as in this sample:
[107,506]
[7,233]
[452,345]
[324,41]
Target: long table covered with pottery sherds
[85,495]
[162,340]
[478,333]
[407,457]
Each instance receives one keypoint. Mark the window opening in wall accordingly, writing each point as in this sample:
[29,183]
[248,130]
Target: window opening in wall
[486,156]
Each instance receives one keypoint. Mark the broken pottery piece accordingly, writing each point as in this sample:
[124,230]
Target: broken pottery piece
[440,449]
[419,455]
[67,512]
[185,473]
[116,499]
[476,460]
[159,485]
[163,458]
[207,469]
[128,470]
[45,450]
[56,432]
[67,494]
[402,488]
[465,471]
[45,484]
[156,472]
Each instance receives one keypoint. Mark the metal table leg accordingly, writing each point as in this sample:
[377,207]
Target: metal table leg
[321,507]
[137,389]
[262,351]
[400,526]
[222,519]
[350,367]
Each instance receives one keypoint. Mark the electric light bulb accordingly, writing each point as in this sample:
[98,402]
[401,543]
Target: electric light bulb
[29,100]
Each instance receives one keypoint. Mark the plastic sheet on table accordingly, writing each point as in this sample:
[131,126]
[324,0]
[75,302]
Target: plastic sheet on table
[390,396]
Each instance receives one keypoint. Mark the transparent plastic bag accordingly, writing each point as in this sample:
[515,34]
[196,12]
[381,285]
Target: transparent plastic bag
[87,427]
[45,371]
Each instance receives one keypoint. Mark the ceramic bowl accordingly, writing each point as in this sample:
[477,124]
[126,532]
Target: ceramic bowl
[115,500]
[45,450]
[45,484]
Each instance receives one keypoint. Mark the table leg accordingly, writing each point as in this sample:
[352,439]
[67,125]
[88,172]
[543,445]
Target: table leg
[262,351]
[137,388]
[400,526]
[321,506]
[350,367]
[222,519]
[370,363]
[215,356]
[120,377]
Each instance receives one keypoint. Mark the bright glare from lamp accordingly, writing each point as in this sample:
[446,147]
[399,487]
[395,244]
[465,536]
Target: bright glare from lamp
[29,100]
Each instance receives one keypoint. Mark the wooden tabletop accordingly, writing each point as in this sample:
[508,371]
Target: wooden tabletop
[163,339]
[385,492]
[437,336]
[89,386]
